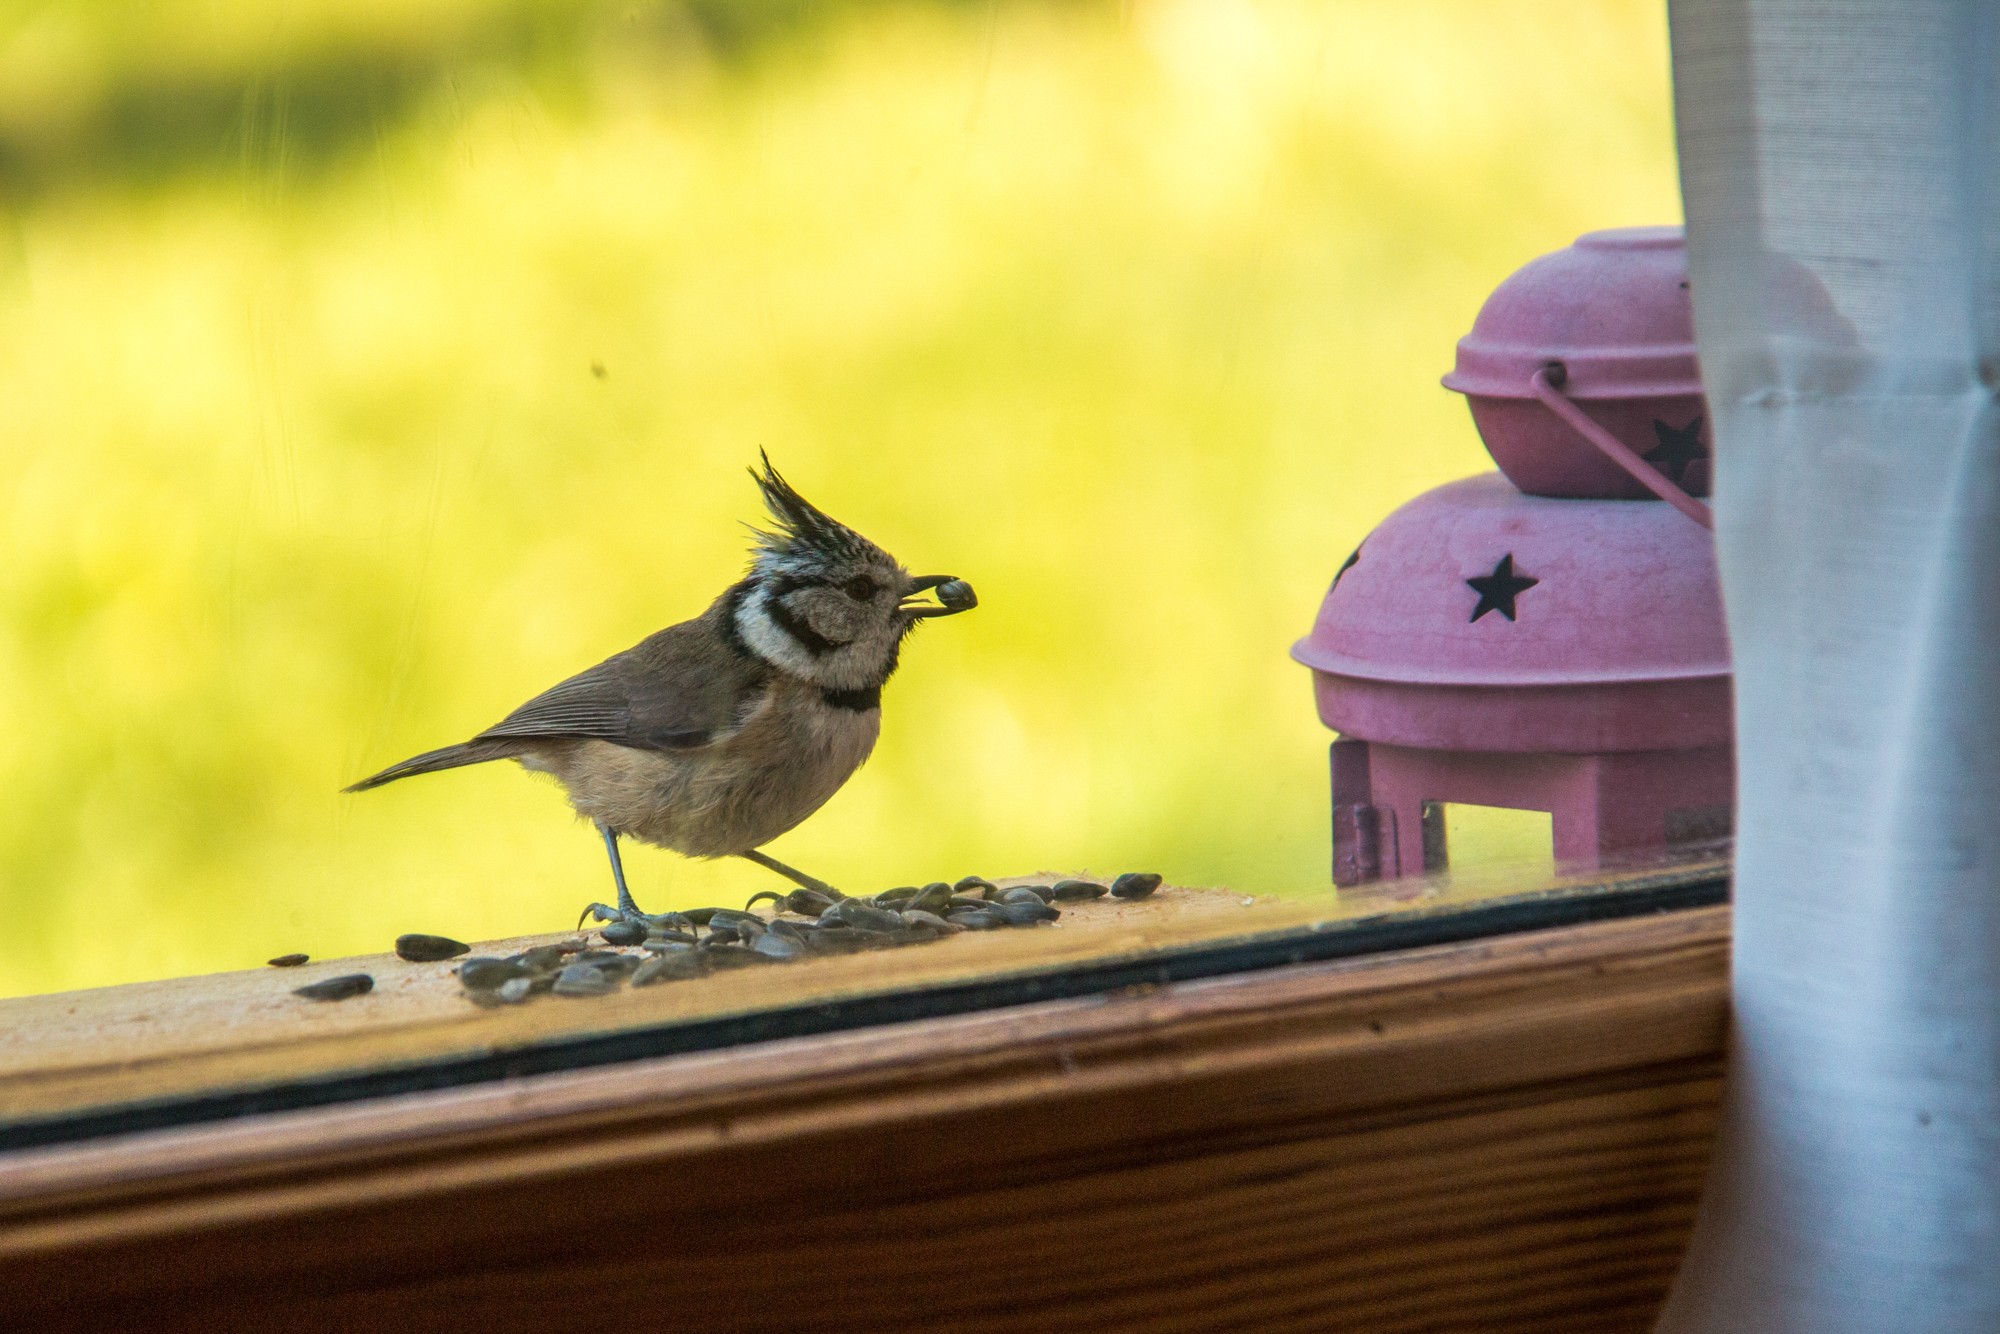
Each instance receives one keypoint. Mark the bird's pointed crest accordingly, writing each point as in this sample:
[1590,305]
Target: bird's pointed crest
[800,526]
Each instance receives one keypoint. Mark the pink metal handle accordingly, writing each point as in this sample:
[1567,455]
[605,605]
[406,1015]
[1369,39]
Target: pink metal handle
[1617,450]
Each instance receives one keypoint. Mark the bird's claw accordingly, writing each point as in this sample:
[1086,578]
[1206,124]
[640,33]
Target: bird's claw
[604,912]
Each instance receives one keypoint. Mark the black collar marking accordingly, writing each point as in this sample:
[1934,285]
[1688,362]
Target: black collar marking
[860,701]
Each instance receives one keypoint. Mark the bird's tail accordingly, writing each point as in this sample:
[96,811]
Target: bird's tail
[450,757]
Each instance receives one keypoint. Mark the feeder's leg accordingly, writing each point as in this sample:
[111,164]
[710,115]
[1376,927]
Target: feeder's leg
[1406,781]
[1357,825]
[1647,800]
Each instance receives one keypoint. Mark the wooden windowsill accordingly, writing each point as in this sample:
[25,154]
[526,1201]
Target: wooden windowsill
[1500,1134]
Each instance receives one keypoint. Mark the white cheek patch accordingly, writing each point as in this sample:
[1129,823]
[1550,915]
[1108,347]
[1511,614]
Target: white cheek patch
[864,662]
[768,640]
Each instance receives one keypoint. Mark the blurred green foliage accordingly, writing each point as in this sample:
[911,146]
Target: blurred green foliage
[368,366]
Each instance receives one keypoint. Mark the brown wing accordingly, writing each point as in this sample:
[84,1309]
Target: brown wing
[677,690]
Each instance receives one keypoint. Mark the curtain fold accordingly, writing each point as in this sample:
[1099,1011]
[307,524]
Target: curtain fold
[1839,163]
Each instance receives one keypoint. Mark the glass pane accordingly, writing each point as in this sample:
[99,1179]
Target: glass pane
[369,373]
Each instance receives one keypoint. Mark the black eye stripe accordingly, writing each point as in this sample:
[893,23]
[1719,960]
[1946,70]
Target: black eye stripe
[784,584]
[807,638]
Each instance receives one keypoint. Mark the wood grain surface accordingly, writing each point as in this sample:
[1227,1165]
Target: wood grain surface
[1502,1135]
[196,1035]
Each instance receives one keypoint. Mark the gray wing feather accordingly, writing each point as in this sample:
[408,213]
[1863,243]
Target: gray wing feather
[677,690]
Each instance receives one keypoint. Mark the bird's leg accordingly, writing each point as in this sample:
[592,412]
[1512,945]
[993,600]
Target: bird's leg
[626,909]
[799,878]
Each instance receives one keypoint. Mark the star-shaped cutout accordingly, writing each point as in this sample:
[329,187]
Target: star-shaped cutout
[1498,590]
[1353,558]
[1678,447]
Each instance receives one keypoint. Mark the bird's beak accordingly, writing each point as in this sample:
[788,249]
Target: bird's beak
[954,596]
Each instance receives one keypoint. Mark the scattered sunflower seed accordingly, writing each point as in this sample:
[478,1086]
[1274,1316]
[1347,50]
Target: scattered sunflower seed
[582,979]
[542,958]
[891,898]
[623,933]
[668,968]
[288,960]
[419,948]
[489,974]
[1024,894]
[338,988]
[932,898]
[1135,884]
[858,914]
[805,902]
[930,921]
[972,884]
[774,946]
[976,921]
[1025,914]
[1073,891]
[732,956]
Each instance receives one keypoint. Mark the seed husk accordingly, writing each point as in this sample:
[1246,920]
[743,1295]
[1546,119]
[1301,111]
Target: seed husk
[1025,914]
[288,960]
[1076,891]
[976,921]
[490,974]
[805,902]
[930,921]
[774,946]
[420,948]
[542,958]
[892,898]
[732,956]
[1135,884]
[855,913]
[583,979]
[932,898]
[668,968]
[516,989]
[338,988]
[972,884]
[1024,894]
[623,933]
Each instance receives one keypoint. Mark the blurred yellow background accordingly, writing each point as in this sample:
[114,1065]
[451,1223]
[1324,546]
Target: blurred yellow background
[367,366]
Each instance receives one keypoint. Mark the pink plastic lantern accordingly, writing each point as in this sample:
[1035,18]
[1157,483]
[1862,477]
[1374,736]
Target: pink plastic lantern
[1543,638]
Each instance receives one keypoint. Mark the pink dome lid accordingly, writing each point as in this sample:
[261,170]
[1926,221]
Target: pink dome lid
[1613,308]
[1476,584]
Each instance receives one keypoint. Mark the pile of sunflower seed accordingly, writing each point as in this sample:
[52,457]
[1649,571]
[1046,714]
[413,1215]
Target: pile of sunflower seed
[679,945]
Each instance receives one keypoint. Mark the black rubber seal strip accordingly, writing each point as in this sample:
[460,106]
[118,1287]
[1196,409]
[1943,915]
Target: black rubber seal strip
[1336,940]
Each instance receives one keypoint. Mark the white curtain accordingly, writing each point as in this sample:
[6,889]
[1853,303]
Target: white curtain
[1839,165]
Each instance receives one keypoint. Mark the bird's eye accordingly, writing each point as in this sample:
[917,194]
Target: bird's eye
[861,588]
